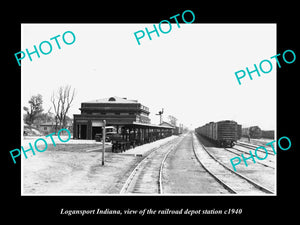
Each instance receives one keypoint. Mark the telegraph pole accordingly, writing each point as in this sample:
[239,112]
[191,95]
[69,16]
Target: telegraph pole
[103,141]
[160,115]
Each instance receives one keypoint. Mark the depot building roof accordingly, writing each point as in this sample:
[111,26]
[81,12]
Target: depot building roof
[113,100]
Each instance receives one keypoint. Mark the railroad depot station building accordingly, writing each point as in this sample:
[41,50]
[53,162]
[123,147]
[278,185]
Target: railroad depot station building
[129,117]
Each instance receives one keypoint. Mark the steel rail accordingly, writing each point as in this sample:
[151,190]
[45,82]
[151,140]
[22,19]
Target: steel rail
[132,175]
[160,182]
[226,186]
[253,147]
[255,184]
[134,171]
[264,164]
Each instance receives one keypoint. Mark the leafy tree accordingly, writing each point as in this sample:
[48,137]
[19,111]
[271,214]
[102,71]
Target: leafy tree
[45,117]
[35,108]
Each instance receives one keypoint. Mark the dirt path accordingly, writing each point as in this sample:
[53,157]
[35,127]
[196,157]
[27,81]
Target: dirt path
[65,172]
[184,175]
[76,169]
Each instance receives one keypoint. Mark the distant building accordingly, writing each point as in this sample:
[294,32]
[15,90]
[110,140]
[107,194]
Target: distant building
[49,127]
[167,124]
[175,129]
[116,111]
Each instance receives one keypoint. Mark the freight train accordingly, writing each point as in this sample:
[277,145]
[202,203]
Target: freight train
[256,132]
[224,133]
[252,132]
[270,134]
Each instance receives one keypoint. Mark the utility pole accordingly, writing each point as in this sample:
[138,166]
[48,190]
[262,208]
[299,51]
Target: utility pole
[160,115]
[103,141]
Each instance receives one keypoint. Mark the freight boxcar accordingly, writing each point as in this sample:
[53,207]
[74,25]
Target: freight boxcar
[224,133]
[239,131]
[227,133]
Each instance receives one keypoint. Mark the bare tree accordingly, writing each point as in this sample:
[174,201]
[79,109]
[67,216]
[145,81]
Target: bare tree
[61,102]
[45,117]
[172,120]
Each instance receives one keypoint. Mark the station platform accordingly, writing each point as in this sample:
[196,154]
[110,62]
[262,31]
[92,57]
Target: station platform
[144,149]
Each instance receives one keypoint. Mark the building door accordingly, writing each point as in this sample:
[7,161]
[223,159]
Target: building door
[96,128]
[82,131]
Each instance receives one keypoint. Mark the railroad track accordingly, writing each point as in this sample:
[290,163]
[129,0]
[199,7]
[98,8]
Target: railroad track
[254,147]
[146,177]
[234,182]
[237,152]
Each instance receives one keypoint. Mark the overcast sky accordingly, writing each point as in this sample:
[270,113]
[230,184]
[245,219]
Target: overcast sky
[189,72]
